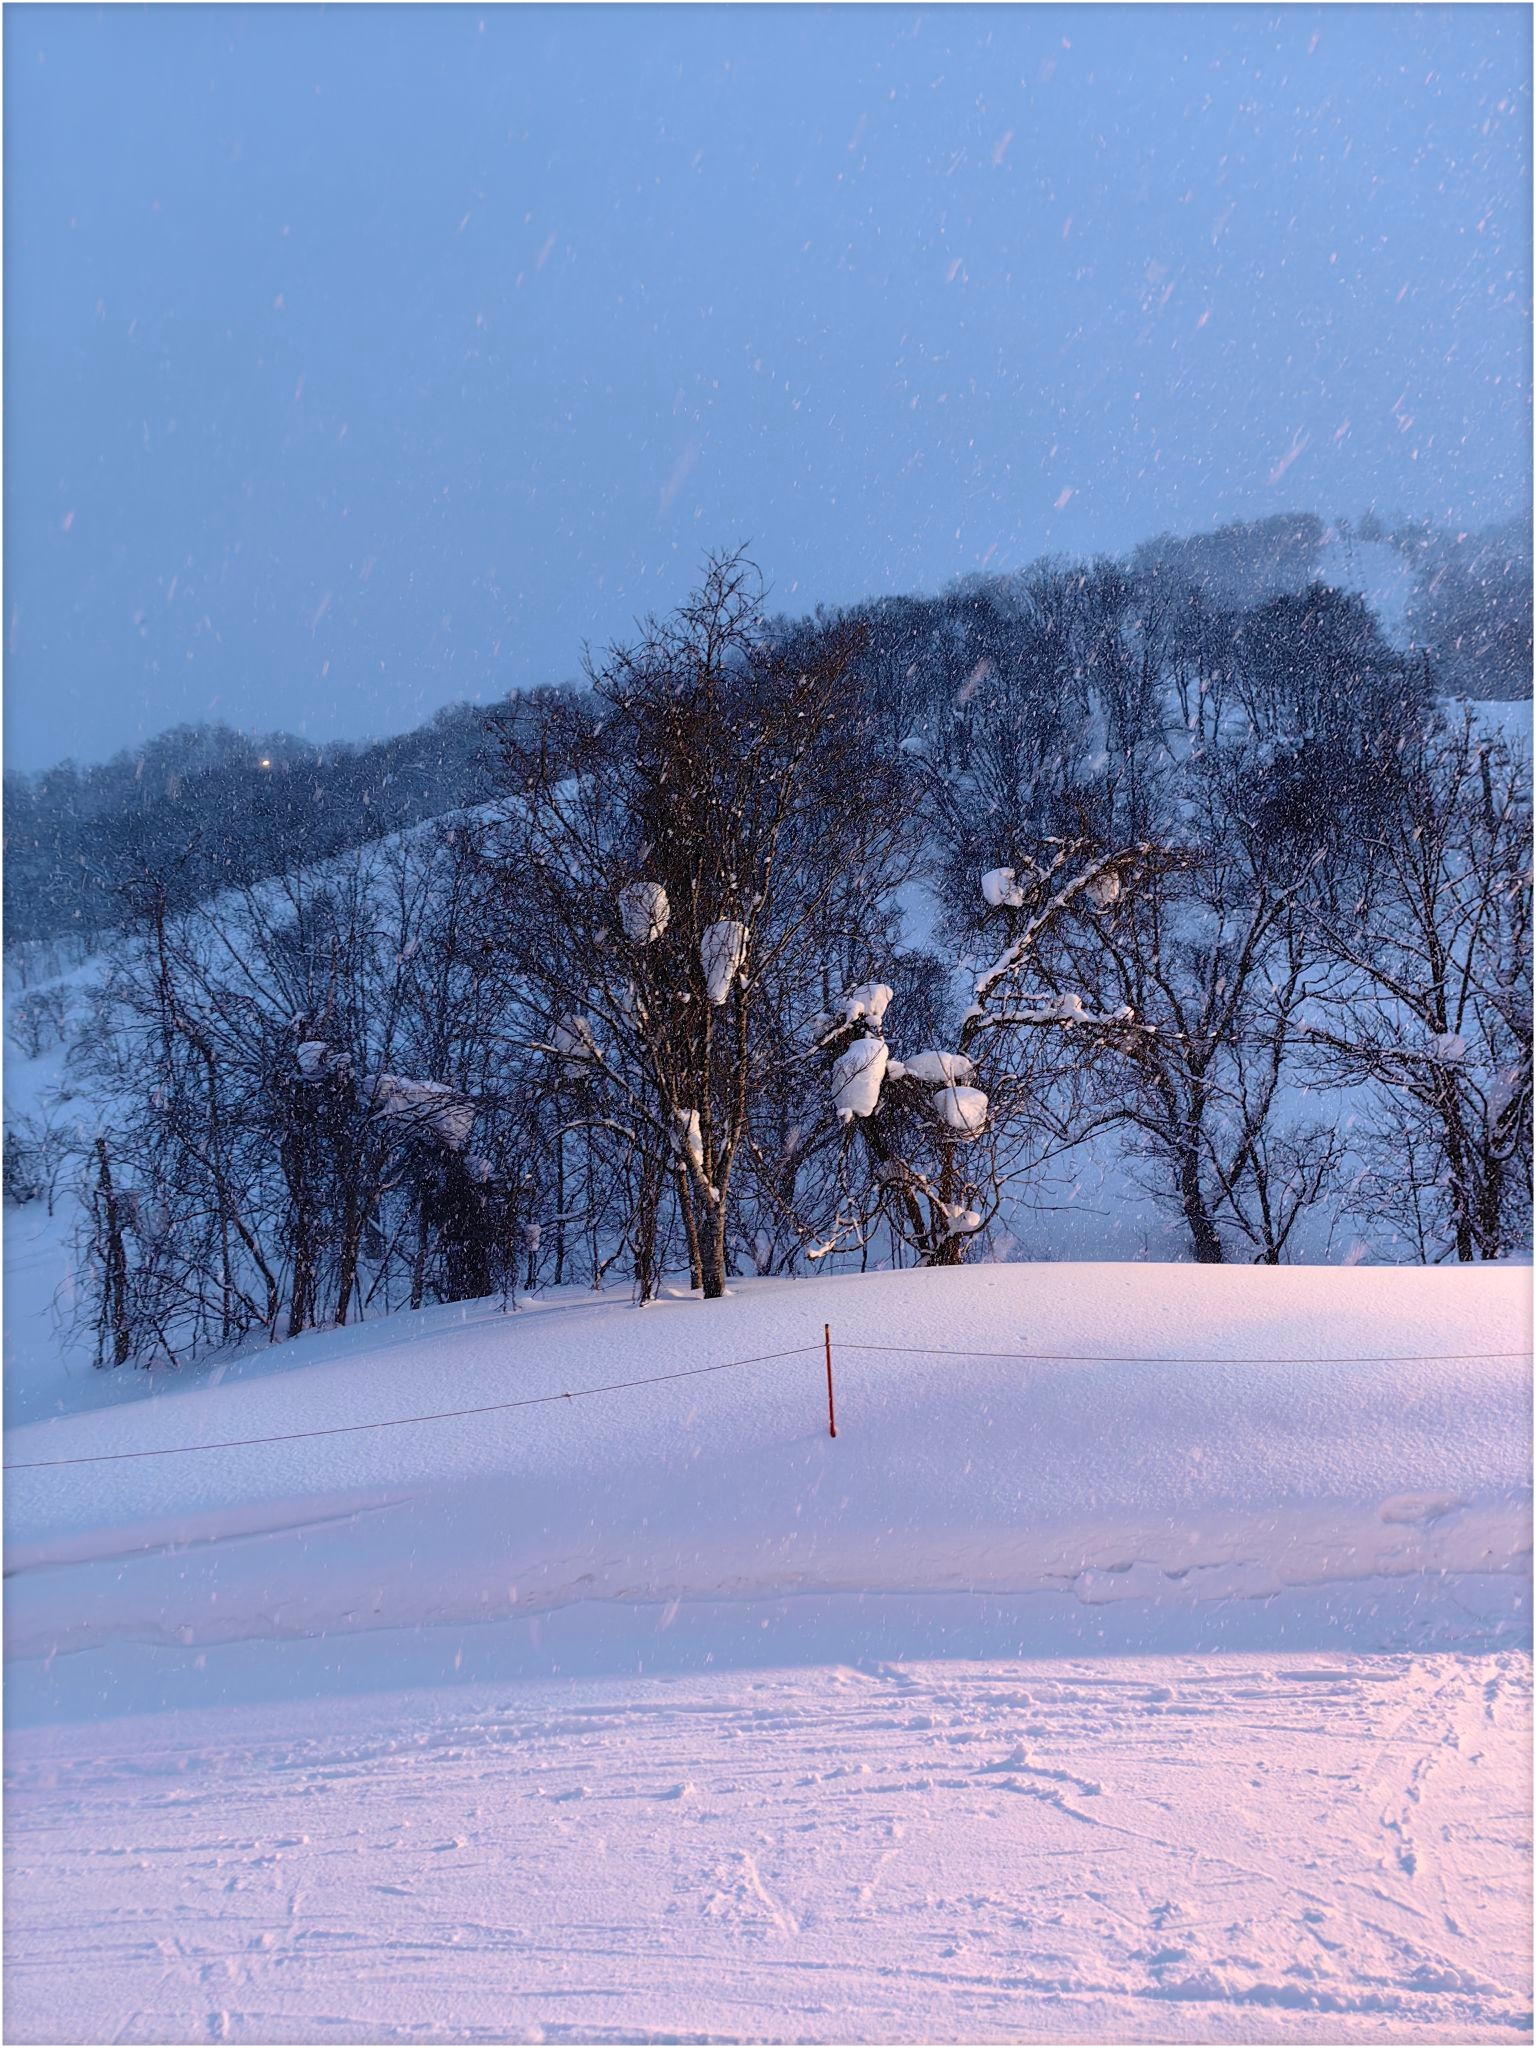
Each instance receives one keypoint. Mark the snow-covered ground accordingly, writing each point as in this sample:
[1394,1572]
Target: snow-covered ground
[1201,1475]
[1058,1697]
[1165,1677]
[1282,1846]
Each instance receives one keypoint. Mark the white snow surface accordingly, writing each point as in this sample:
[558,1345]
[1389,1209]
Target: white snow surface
[722,955]
[1052,1700]
[1176,1482]
[856,1078]
[1238,1847]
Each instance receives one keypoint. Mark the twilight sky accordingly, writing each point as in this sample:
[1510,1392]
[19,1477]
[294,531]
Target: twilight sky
[362,360]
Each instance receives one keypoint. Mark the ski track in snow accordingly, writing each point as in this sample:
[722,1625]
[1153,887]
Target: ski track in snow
[1237,1847]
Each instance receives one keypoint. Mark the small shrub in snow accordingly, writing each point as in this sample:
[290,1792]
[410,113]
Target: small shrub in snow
[38,1021]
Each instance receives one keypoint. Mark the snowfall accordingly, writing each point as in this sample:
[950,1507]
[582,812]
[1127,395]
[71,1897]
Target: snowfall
[1111,1675]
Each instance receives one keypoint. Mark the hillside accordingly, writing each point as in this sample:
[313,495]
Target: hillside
[1184,1467]
[205,807]
[1183,1699]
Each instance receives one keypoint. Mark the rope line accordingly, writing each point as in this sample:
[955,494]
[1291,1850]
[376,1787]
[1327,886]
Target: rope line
[1116,1358]
[731,1364]
[294,1436]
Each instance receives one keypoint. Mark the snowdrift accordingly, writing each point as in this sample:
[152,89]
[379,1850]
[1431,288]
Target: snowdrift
[1211,1473]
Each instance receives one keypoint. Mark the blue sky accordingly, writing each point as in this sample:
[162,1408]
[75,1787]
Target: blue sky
[365,359]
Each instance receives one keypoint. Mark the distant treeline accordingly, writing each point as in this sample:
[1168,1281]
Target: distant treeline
[204,808]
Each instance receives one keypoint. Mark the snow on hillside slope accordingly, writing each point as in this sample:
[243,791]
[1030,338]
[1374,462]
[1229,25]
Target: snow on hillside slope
[1270,1848]
[776,1737]
[1210,1474]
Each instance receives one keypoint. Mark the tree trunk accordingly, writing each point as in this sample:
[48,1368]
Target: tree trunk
[646,1208]
[301,1310]
[690,1229]
[1490,1207]
[712,1251]
[419,1262]
[116,1286]
[560,1209]
[1202,1231]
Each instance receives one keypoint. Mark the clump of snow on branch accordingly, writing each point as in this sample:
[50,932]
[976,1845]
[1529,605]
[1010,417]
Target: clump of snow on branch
[644,911]
[1447,1048]
[963,1109]
[428,1108]
[1001,888]
[856,1078]
[722,955]
[1093,882]
[317,1059]
[690,1142]
[1065,1009]
[1509,1085]
[572,1039]
[869,1000]
[690,1137]
[959,1221]
[943,1069]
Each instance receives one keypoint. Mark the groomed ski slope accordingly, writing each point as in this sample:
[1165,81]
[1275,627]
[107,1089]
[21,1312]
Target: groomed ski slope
[1055,1699]
[1274,1847]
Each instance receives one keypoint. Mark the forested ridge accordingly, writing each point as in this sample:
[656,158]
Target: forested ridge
[206,806]
[782,943]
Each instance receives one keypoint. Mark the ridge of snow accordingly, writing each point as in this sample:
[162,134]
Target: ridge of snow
[1170,1483]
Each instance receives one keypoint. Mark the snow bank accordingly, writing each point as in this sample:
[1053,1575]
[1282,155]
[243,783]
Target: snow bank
[1181,1484]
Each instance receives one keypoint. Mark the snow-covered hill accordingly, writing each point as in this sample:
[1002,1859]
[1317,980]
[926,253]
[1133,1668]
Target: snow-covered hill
[1146,1658]
[1196,1464]
[1054,1699]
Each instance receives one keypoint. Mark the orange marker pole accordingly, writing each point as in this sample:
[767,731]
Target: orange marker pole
[831,1411]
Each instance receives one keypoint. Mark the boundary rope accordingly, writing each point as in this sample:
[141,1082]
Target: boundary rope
[728,1365]
[293,1436]
[1127,1358]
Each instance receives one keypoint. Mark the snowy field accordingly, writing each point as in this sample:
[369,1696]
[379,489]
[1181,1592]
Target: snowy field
[1055,1699]
[1282,1846]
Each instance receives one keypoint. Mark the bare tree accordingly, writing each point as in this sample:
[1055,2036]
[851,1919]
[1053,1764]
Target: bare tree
[308,1109]
[684,874]
[1429,1002]
[946,1130]
[39,1020]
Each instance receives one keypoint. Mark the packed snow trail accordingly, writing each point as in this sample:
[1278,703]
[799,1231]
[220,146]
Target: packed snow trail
[1230,1847]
